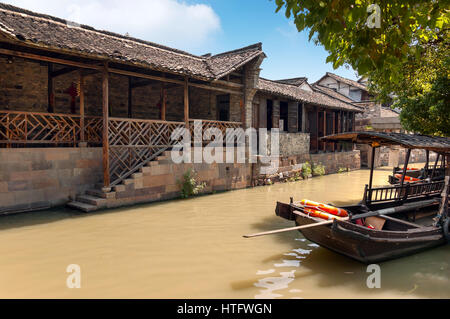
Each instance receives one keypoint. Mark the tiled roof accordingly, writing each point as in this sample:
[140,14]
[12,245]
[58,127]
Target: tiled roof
[293,81]
[344,80]
[295,93]
[48,32]
[432,143]
[332,93]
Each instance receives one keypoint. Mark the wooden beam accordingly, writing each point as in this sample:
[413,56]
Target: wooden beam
[186,102]
[49,59]
[105,108]
[82,105]
[88,73]
[214,88]
[123,72]
[229,84]
[168,80]
[142,83]
[62,71]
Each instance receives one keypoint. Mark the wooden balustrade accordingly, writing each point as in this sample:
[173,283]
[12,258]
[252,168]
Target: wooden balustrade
[134,143]
[221,125]
[47,128]
[402,192]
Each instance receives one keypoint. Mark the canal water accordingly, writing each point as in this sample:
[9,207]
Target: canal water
[194,249]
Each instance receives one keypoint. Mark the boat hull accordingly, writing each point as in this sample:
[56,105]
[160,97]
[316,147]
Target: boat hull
[359,244]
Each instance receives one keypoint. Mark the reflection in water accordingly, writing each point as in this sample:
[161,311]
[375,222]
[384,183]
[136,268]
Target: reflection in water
[272,284]
[194,249]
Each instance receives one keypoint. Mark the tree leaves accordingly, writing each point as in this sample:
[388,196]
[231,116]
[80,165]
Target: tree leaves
[406,57]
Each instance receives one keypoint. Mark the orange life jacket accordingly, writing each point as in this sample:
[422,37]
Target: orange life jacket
[408,179]
[315,213]
[325,208]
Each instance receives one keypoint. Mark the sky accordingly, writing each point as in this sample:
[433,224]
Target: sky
[203,26]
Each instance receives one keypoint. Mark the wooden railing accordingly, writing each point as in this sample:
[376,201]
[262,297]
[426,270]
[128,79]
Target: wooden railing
[221,125]
[402,192]
[131,143]
[134,143]
[48,128]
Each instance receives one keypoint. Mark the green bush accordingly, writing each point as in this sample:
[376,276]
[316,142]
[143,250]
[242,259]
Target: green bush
[189,185]
[318,170]
[306,170]
[342,170]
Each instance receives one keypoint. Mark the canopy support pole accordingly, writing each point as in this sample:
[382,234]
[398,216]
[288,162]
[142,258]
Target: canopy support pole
[372,160]
[435,166]
[405,167]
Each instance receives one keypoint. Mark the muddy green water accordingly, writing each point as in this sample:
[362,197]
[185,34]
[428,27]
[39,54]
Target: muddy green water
[194,249]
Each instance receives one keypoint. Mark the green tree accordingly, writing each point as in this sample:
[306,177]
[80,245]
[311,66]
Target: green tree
[406,56]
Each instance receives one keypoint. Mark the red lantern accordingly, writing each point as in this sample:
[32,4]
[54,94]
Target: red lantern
[73,92]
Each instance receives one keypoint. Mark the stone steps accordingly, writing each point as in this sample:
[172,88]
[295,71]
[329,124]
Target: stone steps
[99,193]
[91,200]
[87,208]
[95,199]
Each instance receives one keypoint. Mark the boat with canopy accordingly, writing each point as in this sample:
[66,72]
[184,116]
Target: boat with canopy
[391,221]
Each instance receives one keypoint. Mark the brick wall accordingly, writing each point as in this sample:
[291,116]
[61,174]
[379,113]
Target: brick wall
[291,144]
[23,87]
[33,178]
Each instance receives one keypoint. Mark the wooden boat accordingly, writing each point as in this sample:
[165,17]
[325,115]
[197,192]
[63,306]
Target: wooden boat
[435,173]
[411,217]
[399,237]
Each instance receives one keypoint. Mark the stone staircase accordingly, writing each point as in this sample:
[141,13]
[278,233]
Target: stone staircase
[98,198]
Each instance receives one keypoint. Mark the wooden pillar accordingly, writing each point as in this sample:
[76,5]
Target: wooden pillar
[334,129]
[303,128]
[51,90]
[317,129]
[435,166]
[242,106]
[324,129]
[353,121]
[105,108]
[163,102]
[186,102]
[130,97]
[82,106]
[427,164]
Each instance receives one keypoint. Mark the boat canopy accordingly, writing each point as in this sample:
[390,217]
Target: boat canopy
[411,141]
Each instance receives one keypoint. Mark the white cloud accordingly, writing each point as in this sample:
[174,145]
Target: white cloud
[170,22]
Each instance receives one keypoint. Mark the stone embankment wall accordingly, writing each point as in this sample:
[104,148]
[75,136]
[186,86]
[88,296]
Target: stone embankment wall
[291,166]
[162,178]
[34,178]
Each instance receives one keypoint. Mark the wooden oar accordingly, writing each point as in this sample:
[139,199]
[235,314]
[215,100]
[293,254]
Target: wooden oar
[284,230]
[386,211]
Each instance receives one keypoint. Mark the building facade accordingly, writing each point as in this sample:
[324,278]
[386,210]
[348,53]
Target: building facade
[86,116]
